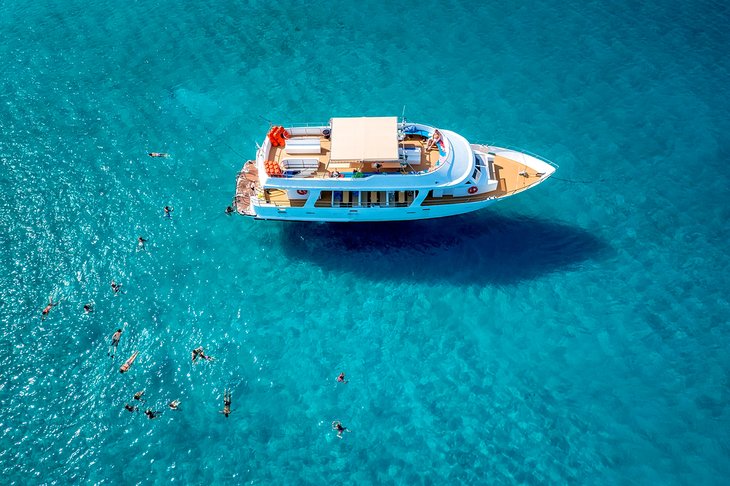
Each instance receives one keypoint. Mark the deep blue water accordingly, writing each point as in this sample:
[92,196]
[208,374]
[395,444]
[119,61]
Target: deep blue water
[577,333]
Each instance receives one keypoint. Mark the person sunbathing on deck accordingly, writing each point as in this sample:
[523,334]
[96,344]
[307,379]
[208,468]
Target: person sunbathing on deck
[434,140]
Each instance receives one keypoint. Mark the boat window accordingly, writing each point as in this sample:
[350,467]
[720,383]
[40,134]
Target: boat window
[324,200]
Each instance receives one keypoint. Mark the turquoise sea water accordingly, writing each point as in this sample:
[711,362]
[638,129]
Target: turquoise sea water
[575,334]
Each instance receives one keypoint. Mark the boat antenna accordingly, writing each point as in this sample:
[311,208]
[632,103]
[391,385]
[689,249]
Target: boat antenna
[403,114]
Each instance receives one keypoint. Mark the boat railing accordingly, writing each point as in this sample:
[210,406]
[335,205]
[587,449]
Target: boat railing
[306,125]
[287,204]
[524,151]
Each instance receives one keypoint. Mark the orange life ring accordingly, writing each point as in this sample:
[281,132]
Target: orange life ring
[301,192]
[473,190]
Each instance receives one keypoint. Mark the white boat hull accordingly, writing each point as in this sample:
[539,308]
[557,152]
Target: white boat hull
[350,215]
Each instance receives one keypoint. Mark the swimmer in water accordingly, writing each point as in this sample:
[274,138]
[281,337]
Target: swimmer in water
[115,343]
[341,378]
[116,287]
[337,425]
[139,395]
[150,414]
[174,405]
[168,210]
[88,308]
[125,367]
[130,408]
[140,242]
[48,308]
[229,210]
[226,403]
[198,353]
[158,154]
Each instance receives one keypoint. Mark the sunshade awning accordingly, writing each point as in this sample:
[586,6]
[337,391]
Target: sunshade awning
[364,139]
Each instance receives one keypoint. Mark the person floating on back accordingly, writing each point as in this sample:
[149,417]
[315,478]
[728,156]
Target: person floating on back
[337,425]
[226,403]
[48,308]
[158,154]
[125,367]
[341,378]
[115,343]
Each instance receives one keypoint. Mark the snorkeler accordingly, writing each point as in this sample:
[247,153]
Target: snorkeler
[130,408]
[48,308]
[115,343]
[125,367]
[198,353]
[226,403]
[337,425]
[341,378]
[150,414]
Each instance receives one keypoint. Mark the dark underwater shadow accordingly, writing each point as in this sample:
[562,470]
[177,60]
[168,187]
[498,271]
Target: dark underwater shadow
[483,248]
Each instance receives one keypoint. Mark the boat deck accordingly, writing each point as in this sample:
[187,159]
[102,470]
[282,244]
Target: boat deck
[427,160]
[247,187]
[512,176]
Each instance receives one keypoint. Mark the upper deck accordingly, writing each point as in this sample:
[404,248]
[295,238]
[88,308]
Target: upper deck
[323,157]
[416,159]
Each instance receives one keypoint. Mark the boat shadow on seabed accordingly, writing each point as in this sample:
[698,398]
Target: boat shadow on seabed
[481,249]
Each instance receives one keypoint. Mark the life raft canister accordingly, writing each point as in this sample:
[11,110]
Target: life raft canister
[473,189]
[272,139]
[301,192]
[272,168]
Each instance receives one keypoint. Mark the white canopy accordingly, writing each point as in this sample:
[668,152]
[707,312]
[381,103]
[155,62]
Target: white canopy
[365,139]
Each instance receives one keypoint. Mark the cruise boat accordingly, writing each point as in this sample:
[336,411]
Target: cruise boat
[378,169]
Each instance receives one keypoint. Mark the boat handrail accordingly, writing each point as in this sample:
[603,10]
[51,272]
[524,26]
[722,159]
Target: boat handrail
[305,125]
[524,151]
